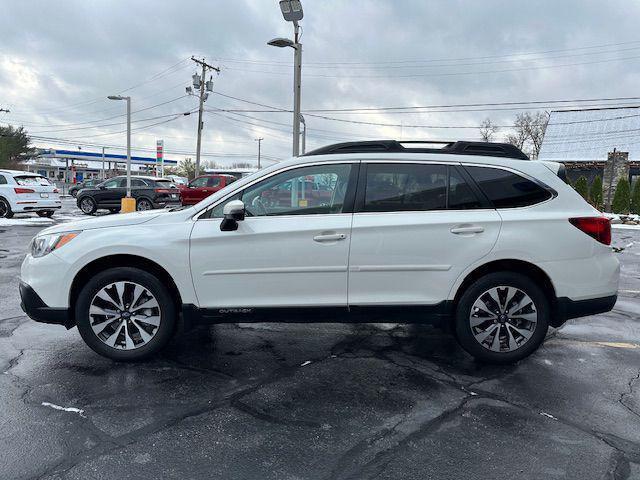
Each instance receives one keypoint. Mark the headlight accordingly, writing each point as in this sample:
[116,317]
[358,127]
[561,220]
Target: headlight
[45,244]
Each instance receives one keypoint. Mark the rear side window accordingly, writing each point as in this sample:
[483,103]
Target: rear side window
[405,187]
[507,189]
[461,196]
[136,182]
[3,181]
[165,184]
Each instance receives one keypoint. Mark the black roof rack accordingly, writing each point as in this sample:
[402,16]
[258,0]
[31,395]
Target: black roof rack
[486,149]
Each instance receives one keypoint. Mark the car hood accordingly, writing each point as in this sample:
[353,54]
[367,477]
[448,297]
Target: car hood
[120,220]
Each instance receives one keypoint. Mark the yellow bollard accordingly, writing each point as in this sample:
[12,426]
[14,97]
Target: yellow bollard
[128,205]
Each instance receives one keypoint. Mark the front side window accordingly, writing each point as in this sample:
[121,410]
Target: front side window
[199,182]
[113,183]
[507,189]
[405,187]
[301,191]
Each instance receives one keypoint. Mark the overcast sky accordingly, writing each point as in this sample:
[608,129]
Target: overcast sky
[60,59]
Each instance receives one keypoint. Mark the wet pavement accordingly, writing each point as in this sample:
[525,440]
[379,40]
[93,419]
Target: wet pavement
[322,401]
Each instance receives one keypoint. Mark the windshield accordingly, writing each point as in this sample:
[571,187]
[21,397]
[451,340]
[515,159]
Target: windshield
[32,180]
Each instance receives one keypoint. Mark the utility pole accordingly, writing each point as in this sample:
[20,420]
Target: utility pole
[201,83]
[259,140]
[102,163]
[297,78]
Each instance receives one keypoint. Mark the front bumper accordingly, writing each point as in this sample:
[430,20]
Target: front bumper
[37,310]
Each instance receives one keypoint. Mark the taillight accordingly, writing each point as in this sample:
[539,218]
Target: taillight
[23,190]
[596,227]
[55,190]
[162,190]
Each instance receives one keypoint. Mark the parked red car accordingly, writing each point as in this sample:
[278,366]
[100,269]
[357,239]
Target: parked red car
[203,186]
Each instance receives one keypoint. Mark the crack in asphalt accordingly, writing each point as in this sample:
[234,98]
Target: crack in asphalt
[624,394]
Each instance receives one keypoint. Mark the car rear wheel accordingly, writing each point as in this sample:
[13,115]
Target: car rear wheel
[502,317]
[45,213]
[5,209]
[125,314]
[88,205]
[143,205]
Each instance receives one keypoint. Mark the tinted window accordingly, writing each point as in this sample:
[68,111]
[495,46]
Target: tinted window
[165,184]
[506,189]
[3,180]
[199,182]
[405,187]
[31,180]
[213,181]
[113,183]
[461,196]
[136,182]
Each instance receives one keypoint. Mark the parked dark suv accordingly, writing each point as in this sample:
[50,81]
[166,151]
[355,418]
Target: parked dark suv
[149,192]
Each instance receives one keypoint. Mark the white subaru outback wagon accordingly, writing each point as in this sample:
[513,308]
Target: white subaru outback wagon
[471,234]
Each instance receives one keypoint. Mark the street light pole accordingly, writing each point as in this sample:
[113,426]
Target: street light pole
[297,90]
[128,147]
[292,12]
[128,204]
[102,163]
[259,140]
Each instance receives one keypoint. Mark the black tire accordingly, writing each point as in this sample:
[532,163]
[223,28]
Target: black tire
[45,213]
[144,204]
[168,313]
[465,334]
[114,210]
[5,209]
[87,205]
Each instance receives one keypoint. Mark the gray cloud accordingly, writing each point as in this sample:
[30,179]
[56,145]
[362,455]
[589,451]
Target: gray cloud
[58,61]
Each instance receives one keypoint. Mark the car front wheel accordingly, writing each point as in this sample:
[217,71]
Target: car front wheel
[125,314]
[88,205]
[502,317]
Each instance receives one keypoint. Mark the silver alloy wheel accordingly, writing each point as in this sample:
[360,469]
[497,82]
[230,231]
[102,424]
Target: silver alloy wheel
[124,315]
[503,319]
[4,208]
[86,205]
[144,205]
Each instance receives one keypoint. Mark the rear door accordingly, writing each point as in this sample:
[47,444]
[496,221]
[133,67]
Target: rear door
[416,227]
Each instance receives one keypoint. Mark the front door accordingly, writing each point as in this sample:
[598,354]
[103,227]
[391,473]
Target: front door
[285,253]
[416,228]
[114,190]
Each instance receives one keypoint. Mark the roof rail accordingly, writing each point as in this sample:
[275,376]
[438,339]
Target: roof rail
[485,149]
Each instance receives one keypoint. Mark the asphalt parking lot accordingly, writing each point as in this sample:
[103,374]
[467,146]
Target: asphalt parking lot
[324,401]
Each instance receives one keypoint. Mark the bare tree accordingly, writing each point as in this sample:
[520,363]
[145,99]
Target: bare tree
[528,132]
[488,130]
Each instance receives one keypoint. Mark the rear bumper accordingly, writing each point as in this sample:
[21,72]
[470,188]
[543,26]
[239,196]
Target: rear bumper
[34,206]
[37,310]
[567,308]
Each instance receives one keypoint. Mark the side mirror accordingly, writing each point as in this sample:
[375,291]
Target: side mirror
[233,213]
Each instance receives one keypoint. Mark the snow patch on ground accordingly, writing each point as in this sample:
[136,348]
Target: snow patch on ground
[26,221]
[64,409]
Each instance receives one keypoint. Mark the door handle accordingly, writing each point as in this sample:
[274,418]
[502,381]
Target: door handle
[460,230]
[332,237]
